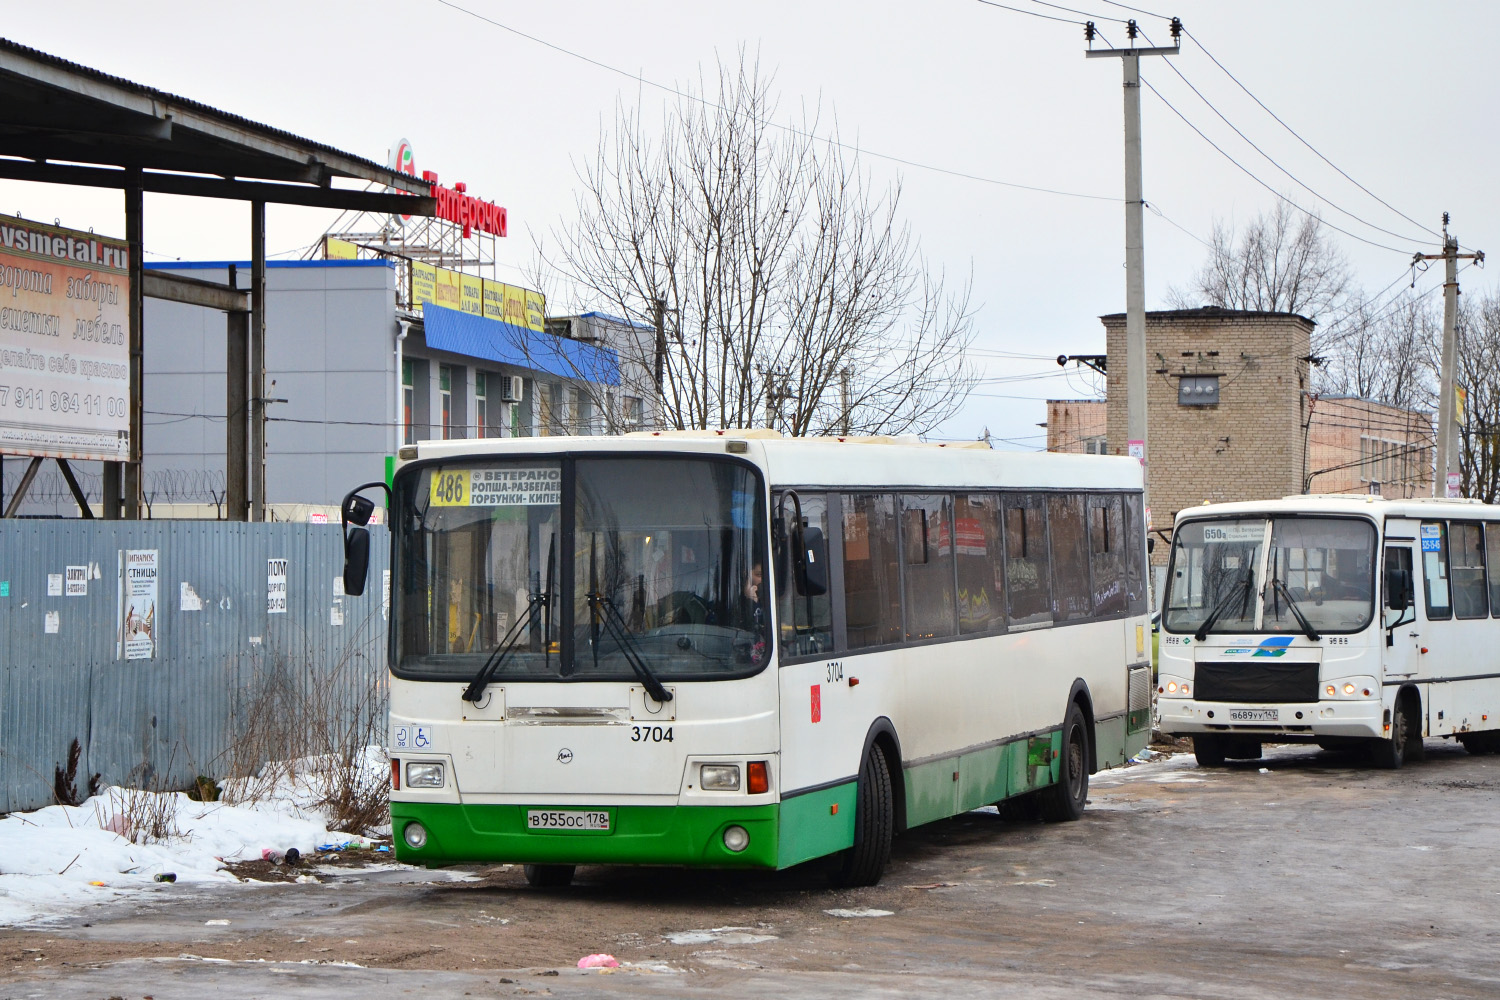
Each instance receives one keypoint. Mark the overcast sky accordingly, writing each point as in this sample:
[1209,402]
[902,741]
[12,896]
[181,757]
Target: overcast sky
[1394,94]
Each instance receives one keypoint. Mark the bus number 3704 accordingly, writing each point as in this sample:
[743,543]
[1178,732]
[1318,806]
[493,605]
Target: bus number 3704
[650,734]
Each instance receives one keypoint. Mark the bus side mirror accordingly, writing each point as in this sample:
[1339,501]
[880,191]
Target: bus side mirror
[354,513]
[356,560]
[812,563]
[1150,544]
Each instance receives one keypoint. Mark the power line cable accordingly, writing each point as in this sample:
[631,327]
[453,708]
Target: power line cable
[1249,173]
[1299,138]
[789,128]
[1033,13]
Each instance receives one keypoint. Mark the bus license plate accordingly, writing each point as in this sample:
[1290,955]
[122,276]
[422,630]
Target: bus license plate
[566,819]
[1254,715]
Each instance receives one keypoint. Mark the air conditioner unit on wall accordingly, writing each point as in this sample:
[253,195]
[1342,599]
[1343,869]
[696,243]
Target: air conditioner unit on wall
[512,388]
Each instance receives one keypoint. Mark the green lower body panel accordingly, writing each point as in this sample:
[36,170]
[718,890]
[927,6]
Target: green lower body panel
[817,823]
[638,835]
[941,788]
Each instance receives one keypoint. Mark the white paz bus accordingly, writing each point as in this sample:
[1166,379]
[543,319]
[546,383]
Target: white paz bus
[735,650]
[1351,622]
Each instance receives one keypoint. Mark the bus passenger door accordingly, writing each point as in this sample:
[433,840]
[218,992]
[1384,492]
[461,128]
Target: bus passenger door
[1403,639]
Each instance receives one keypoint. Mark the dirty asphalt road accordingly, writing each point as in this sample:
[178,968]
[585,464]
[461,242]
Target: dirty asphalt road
[1317,877]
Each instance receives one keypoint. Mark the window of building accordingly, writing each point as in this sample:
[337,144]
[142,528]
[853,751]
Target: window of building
[1107,553]
[1094,446]
[482,426]
[872,574]
[1198,390]
[408,403]
[927,556]
[445,391]
[978,545]
[634,413]
[1434,536]
[572,415]
[1469,597]
[1070,558]
[1028,579]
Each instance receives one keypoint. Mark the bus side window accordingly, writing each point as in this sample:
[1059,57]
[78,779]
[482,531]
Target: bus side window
[1135,555]
[804,620]
[1070,557]
[1492,564]
[872,571]
[978,541]
[1469,598]
[1028,579]
[1434,535]
[927,541]
[1107,554]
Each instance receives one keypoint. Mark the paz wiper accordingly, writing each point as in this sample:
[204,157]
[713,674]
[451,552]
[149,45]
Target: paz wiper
[1291,602]
[1239,589]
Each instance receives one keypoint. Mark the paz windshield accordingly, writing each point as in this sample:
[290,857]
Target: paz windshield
[1221,575]
[657,560]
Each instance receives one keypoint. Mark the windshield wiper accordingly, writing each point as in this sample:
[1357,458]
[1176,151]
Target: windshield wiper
[538,605]
[603,609]
[1291,602]
[1237,590]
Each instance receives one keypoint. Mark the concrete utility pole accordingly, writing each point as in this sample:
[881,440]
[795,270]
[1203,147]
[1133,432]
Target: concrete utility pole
[1447,478]
[1135,244]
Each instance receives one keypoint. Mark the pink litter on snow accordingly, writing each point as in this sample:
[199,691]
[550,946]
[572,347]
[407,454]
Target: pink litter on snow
[598,962]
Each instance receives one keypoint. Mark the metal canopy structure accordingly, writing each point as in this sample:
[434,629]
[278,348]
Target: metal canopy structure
[62,123]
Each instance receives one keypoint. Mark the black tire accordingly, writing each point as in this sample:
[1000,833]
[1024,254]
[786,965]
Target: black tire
[874,824]
[1209,749]
[1475,743]
[550,876]
[1406,729]
[1063,802]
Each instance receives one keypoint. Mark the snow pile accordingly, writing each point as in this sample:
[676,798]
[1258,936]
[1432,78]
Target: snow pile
[58,859]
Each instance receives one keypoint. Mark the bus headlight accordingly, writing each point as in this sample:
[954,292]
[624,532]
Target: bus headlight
[1348,689]
[720,778]
[424,775]
[416,835]
[736,838]
[1171,687]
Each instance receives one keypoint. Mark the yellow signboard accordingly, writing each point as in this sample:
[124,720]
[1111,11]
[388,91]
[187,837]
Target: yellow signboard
[446,292]
[423,283]
[509,487]
[515,305]
[494,300]
[536,310]
[339,249]
[471,294]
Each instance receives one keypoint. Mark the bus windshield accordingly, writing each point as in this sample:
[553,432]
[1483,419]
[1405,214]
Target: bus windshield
[1222,581]
[661,562]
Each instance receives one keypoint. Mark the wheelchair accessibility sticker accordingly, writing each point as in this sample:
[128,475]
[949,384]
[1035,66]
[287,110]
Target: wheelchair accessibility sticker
[413,738]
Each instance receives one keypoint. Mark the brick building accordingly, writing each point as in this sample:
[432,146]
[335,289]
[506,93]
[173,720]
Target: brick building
[1231,416]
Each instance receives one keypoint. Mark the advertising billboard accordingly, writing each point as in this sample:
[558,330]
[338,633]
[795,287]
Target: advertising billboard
[64,343]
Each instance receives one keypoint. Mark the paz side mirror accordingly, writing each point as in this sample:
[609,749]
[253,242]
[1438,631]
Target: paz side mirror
[358,509]
[812,563]
[1399,589]
[1150,544]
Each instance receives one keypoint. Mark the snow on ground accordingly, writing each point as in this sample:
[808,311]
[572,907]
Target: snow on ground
[59,859]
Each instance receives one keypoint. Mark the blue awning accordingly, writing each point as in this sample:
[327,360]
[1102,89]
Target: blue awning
[479,337]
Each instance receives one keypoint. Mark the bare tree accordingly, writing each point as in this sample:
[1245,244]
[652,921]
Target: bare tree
[788,289]
[1281,262]
[1382,351]
[1478,374]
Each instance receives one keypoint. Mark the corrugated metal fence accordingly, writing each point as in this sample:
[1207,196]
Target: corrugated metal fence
[226,679]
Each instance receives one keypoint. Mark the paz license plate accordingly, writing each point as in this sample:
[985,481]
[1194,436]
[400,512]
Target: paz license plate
[1254,715]
[567,819]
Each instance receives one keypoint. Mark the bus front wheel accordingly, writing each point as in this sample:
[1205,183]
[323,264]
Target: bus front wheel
[1405,743]
[874,824]
[1064,801]
[550,876]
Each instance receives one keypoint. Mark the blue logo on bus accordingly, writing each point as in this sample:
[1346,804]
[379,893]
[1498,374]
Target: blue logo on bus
[1274,646]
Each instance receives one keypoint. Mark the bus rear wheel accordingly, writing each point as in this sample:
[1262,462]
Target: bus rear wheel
[1064,801]
[874,824]
[550,876]
[1209,749]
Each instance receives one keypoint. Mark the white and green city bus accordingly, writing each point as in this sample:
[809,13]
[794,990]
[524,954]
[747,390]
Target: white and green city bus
[1277,627]
[735,650]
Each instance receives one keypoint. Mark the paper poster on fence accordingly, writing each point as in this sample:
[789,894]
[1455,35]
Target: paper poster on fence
[275,586]
[138,619]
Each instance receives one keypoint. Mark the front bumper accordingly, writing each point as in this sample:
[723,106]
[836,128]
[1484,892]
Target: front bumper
[1362,718]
